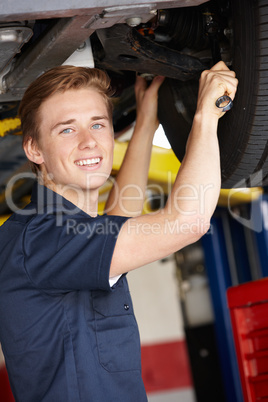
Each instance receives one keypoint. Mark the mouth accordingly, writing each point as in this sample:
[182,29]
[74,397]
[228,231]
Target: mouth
[88,162]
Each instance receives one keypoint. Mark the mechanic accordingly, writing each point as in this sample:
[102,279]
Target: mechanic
[67,327]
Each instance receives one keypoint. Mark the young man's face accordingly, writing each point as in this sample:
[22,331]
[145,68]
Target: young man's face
[76,139]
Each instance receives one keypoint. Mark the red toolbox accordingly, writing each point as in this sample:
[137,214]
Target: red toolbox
[248,304]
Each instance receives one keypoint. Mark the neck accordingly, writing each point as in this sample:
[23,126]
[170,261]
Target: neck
[84,199]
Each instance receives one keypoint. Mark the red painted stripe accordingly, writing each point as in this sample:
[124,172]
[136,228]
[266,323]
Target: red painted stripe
[5,391]
[165,366]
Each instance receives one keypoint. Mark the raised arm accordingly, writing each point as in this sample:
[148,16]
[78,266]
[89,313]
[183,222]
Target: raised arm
[127,195]
[186,216]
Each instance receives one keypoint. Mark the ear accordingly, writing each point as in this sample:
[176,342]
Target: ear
[32,151]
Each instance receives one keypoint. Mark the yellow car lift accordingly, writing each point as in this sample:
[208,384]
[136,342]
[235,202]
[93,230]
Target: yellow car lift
[165,165]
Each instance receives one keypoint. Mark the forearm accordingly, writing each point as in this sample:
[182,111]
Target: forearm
[127,195]
[196,189]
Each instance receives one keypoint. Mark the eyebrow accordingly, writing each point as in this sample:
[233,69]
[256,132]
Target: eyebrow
[103,117]
[70,121]
[62,123]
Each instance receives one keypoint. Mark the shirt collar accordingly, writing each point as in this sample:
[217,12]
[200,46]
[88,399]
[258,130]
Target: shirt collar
[48,200]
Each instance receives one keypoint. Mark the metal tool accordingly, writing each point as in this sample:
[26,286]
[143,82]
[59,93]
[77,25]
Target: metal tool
[224,103]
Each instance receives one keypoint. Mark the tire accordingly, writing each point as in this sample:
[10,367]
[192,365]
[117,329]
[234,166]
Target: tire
[243,131]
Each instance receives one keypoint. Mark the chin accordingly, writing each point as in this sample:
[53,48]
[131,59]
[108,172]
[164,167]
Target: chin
[93,185]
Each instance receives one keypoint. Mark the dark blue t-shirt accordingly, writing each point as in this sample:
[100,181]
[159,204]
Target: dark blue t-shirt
[65,333]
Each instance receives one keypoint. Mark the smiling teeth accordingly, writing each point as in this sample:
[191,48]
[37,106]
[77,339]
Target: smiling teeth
[85,162]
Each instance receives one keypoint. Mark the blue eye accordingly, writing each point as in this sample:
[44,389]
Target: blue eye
[96,126]
[67,131]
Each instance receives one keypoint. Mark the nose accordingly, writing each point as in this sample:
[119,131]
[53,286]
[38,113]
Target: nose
[86,140]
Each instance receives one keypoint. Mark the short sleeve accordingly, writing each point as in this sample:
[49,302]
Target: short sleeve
[75,255]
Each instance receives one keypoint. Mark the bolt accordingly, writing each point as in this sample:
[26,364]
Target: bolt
[133,21]
[228,32]
[163,17]
[82,46]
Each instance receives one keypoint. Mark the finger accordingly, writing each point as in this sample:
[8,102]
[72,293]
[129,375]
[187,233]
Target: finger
[139,89]
[229,87]
[223,82]
[228,75]
[223,74]
[220,66]
[155,85]
[224,103]
[140,84]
